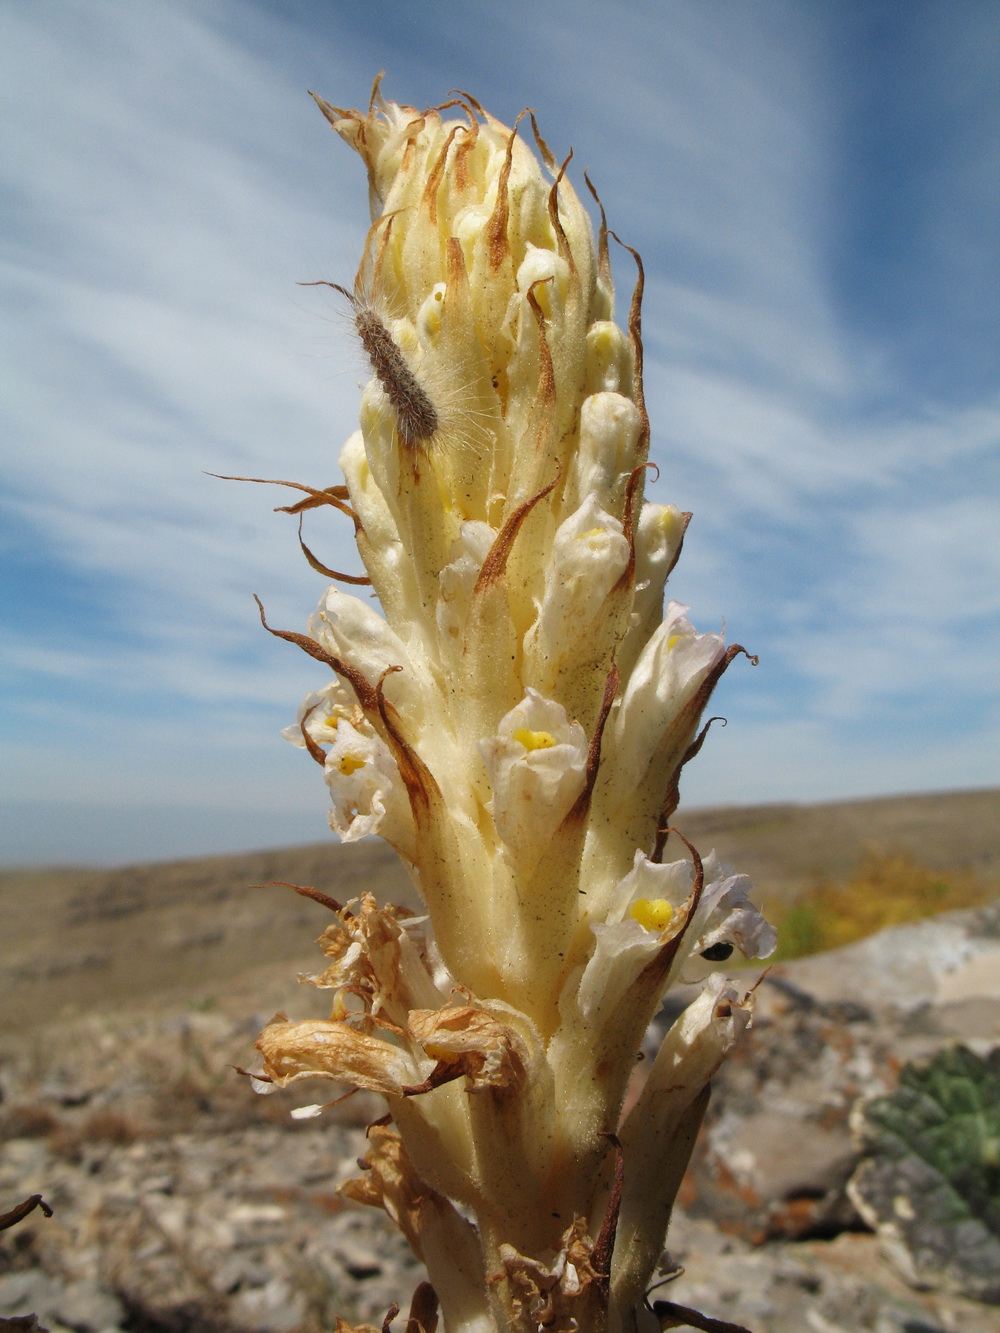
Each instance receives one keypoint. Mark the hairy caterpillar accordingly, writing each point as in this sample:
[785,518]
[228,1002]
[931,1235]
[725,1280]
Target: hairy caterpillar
[417,418]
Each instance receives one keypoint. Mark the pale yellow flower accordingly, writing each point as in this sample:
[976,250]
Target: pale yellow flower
[514,722]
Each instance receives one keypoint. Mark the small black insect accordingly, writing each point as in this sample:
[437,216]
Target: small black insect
[717,953]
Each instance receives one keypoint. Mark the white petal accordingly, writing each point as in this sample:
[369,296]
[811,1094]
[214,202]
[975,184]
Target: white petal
[353,631]
[365,786]
[589,554]
[536,765]
[667,674]
[458,579]
[726,915]
[622,951]
[609,433]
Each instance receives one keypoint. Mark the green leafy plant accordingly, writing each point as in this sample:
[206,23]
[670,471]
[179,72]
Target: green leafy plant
[930,1180]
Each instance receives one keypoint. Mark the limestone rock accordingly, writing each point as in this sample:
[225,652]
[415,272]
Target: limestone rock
[777,1151]
[182,1201]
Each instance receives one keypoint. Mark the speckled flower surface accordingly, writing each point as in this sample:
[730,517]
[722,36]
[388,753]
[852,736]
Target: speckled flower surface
[513,717]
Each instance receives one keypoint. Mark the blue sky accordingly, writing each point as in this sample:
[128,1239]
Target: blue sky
[813,186]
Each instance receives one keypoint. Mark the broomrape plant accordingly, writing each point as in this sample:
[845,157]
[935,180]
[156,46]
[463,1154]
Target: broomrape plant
[514,723]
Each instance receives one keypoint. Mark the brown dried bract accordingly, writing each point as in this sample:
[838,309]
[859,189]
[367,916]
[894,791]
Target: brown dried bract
[467,1040]
[22,1210]
[553,1297]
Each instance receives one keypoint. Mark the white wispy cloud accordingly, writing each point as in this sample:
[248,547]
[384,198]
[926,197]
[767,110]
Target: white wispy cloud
[169,181]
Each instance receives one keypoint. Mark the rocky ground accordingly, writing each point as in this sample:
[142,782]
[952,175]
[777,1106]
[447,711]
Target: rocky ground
[183,1202]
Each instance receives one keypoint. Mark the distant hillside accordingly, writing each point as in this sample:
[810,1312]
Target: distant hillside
[785,848]
[80,940]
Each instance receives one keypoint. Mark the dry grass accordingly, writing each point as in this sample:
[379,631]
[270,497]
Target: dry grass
[885,890]
[102,1125]
[28,1120]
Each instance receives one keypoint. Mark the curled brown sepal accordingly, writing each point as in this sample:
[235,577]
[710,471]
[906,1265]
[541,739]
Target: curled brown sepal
[423,1316]
[545,152]
[635,337]
[330,496]
[704,693]
[628,522]
[473,102]
[305,891]
[497,245]
[635,476]
[420,783]
[496,559]
[456,99]
[329,573]
[582,803]
[248,1073]
[367,696]
[546,392]
[352,125]
[564,246]
[443,1072]
[672,1315]
[314,749]
[436,174]
[604,1245]
[673,792]
[603,258]
[699,870]
[21,1211]
[375,96]
[311,502]
[390,1315]
[691,712]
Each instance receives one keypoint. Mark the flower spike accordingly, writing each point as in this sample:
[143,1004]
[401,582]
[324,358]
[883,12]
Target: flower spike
[514,717]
